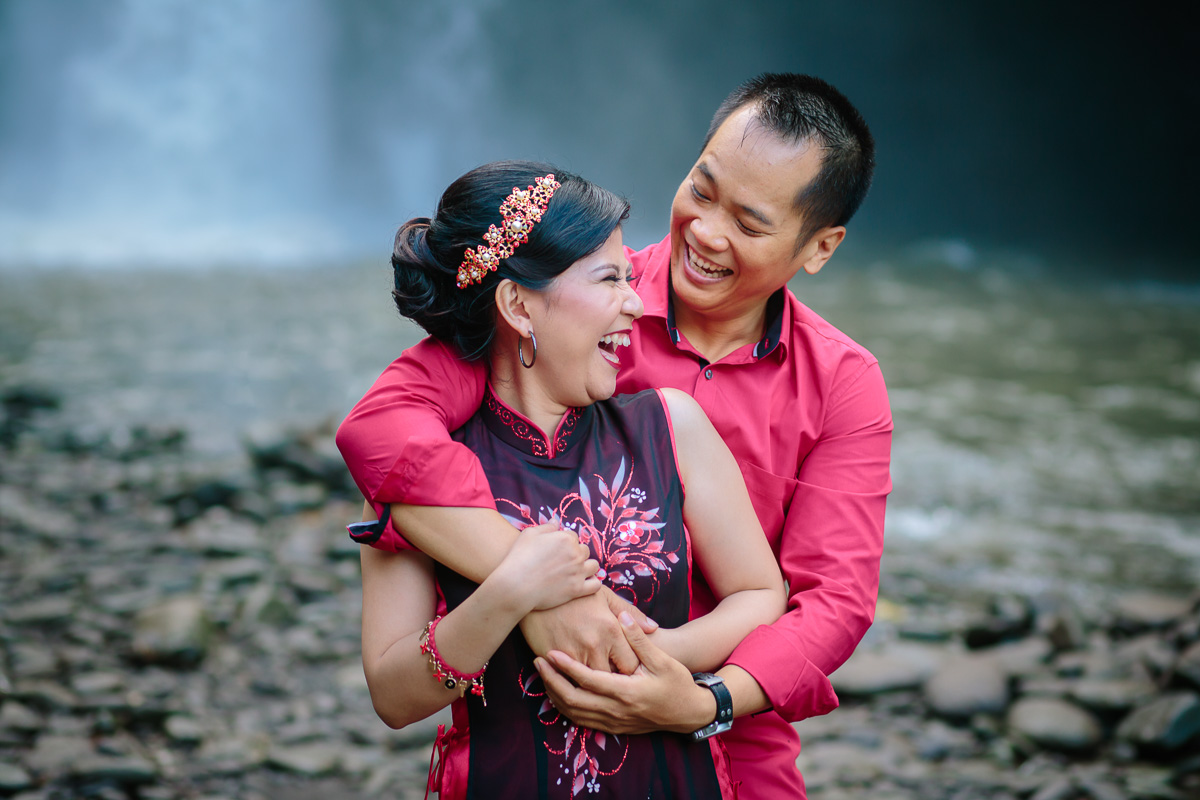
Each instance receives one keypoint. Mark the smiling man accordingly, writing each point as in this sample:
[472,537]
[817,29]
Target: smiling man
[787,162]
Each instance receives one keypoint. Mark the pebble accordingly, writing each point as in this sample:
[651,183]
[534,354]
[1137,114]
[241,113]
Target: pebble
[1054,724]
[890,668]
[174,631]
[205,644]
[1166,723]
[13,779]
[967,685]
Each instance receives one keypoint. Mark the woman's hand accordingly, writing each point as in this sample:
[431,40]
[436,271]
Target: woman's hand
[548,566]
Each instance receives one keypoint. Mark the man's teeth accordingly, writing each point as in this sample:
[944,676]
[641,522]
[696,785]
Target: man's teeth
[616,339]
[704,267]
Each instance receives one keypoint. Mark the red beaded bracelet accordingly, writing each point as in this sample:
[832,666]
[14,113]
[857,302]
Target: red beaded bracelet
[450,677]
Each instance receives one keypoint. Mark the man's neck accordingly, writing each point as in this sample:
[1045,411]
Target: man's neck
[714,338]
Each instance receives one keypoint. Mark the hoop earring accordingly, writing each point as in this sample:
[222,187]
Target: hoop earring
[521,351]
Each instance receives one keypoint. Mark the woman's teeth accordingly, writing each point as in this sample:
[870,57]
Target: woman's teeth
[615,339]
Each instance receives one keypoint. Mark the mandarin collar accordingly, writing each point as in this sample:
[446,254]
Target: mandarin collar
[519,433]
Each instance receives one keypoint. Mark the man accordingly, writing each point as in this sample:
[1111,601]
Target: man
[786,163]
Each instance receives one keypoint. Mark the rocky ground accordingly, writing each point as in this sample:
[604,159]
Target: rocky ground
[175,626]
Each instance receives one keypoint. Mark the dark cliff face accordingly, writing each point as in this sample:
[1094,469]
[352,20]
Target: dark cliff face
[310,131]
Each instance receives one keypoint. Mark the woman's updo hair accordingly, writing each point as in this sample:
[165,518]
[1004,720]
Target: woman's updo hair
[578,220]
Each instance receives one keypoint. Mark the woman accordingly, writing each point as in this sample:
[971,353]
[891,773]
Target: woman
[627,493]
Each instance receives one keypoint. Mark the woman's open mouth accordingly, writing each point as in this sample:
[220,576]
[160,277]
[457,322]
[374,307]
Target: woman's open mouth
[609,344]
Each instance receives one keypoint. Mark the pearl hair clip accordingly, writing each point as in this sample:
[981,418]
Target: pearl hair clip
[520,211]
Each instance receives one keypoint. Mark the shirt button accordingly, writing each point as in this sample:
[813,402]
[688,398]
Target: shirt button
[708,374]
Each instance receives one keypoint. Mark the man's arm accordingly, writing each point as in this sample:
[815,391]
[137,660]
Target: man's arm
[396,440]
[397,445]
[830,549]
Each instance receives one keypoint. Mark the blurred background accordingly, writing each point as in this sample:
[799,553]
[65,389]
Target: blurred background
[197,203]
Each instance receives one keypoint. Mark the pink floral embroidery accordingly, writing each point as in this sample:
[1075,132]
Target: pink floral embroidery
[628,543]
[586,756]
[528,433]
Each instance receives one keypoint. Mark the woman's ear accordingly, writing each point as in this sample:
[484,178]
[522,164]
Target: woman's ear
[511,307]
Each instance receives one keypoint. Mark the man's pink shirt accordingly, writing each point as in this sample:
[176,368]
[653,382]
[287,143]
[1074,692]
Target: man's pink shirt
[808,420]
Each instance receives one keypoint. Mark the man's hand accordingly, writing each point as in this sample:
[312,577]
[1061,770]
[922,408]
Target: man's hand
[587,628]
[659,695]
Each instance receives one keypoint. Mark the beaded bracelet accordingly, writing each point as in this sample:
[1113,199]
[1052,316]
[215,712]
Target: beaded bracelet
[450,677]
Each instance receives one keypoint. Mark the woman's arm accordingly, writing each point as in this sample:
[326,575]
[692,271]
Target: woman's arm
[399,601]
[728,544]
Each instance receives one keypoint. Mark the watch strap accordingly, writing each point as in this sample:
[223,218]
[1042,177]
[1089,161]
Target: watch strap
[724,718]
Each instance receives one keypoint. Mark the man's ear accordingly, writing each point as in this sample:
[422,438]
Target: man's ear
[820,248]
[511,307]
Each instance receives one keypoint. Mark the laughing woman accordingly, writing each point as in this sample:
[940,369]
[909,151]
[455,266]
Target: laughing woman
[629,493]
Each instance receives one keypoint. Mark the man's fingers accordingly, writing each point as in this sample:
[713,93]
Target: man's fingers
[646,651]
[622,657]
[592,680]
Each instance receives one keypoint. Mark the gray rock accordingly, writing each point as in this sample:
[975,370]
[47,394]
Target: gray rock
[125,770]
[890,668]
[18,717]
[967,685]
[48,695]
[1023,657]
[1188,665]
[1166,723]
[176,631]
[1054,724]
[1137,611]
[311,760]
[13,779]
[52,610]
[184,729]
[1111,695]
[93,683]
[54,754]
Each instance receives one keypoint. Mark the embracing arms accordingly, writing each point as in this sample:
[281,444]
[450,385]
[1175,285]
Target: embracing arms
[397,445]
[399,601]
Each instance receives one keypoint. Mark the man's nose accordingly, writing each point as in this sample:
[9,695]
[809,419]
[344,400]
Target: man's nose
[707,231]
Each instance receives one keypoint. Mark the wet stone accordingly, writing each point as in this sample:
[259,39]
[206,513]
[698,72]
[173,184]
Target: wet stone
[890,668]
[967,685]
[1111,695]
[1164,724]
[1188,665]
[94,683]
[1139,611]
[13,779]
[1054,724]
[312,760]
[125,770]
[16,716]
[176,631]
[45,695]
[44,611]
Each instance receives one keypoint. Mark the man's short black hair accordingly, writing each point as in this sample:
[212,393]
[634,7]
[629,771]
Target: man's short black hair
[798,108]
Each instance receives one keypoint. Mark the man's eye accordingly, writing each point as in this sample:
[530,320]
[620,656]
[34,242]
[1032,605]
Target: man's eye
[747,229]
[698,194]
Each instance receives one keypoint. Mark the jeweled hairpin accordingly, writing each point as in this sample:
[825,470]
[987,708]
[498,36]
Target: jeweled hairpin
[520,211]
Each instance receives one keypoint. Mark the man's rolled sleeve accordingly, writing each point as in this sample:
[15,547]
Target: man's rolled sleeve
[396,440]
[830,548]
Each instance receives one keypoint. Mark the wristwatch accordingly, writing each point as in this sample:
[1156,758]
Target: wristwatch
[724,720]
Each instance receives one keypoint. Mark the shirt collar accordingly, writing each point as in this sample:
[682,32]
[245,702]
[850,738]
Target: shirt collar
[518,432]
[658,300]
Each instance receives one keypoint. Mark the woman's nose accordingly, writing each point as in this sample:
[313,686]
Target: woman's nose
[633,304]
